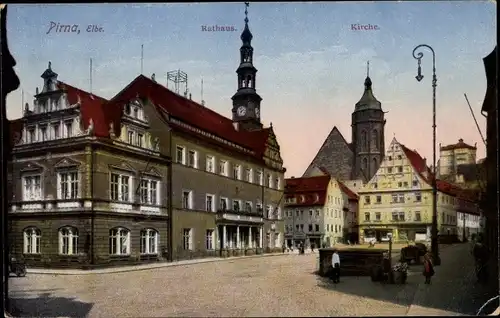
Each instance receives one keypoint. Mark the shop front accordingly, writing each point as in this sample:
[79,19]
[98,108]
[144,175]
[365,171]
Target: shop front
[240,234]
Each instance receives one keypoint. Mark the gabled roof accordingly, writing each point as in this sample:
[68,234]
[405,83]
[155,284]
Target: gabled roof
[459,145]
[420,166]
[307,191]
[191,113]
[335,156]
[350,194]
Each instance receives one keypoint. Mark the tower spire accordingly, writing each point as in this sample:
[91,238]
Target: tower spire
[247,4]
[368,69]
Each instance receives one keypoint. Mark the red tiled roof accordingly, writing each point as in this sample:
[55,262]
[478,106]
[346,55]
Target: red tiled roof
[92,107]
[459,145]
[350,194]
[420,166]
[191,113]
[307,191]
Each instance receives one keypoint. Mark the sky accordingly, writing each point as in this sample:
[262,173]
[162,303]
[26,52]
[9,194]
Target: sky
[311,63]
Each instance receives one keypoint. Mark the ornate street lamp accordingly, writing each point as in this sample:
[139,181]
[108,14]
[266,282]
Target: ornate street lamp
[434,232]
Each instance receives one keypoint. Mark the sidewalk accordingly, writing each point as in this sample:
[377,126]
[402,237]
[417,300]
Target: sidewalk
[454,290]
[123,269]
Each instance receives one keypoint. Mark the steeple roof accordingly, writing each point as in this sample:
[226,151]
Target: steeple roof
[246,36]
[368,100]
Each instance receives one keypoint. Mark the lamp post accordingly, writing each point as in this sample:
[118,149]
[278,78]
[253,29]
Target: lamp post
[434,232]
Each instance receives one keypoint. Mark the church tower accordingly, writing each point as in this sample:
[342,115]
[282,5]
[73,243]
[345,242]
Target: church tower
[368,137]
[246,101]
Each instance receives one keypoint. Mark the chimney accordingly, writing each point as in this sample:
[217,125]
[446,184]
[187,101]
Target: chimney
[190,96]
[153,78]
[236,126]
[292,177]
[202,103]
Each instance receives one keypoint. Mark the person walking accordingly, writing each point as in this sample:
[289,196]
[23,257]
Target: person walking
[428,268]
[335,267]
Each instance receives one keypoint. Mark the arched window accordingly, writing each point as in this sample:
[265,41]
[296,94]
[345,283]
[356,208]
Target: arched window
[149,241]
[374,167]
[365,164]
[364,140]
[32,240]
[249,81]
[68,241]
[375,138]
[119,241]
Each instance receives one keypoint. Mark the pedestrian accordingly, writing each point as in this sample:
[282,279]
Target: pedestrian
[428,268]
[335,267]
[312,247]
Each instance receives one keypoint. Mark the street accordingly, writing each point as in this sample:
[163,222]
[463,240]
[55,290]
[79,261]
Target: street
[275,286]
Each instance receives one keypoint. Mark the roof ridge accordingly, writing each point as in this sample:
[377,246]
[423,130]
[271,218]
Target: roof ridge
[81,90]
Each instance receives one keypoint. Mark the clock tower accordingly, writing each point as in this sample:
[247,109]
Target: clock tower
[246,101]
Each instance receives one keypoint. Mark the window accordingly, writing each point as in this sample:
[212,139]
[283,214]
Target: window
[210,164]
[317,213]
[68,241]
[277,183]
[310,213]
[316,227]
[193,159]
[399,157]
[394,198]
[395,216]
[68,185]
[418,217]
[248,206]
[187,239]
[136,112]
[377,216]
[130,135]
[30,135]
[248,175]
[180,155]
[260,177]
[268,212]
[32,189]
[237,172]
[149,241]
[400,169]
[258,206]
[149,191]
[401,216]
[210,239]
[400,184]
[418,197]
[140,137]
[55,130]
[69,129]
[379,198]
[405,184]
[209,203]
[223,167]
[120,187]
[187,200]
[375,185]
[390,157]
[32,240]
[401,198]
[119,241]
[415,183]
[269,181]
[389,169]
[236,205]
[367,199]
[367,216]
[310,227]
[43,133]
[223,203]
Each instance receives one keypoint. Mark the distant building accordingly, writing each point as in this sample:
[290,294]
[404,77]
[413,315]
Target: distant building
[453,156]
[319,210]
[398,200]
[360,159]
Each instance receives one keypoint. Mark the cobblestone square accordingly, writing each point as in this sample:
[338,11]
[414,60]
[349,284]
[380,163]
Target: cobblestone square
[261,286]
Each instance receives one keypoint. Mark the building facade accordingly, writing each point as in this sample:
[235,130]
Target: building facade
[398,200]
[360,159]
[319,211]
[452,156]
[82,193]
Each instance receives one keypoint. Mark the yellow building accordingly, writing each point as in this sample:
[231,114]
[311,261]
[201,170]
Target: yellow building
[398,200]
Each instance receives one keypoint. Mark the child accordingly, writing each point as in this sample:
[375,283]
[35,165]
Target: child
[428,268]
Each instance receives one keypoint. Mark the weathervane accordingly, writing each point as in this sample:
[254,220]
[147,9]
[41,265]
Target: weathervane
[368,69]
[246,11]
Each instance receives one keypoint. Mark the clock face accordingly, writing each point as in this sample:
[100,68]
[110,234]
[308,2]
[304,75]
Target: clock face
[257,112]
[241,111]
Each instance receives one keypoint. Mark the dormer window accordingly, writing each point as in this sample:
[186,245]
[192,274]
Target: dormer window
[55,130]
[131,137]
[127,109]
[43,106]
[139,140]
[30,134]
[43,133]
[136,112]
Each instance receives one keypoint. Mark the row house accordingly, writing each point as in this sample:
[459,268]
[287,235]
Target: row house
[398,200]
[319,210]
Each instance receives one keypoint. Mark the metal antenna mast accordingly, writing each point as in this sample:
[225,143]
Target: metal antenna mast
[178,78]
